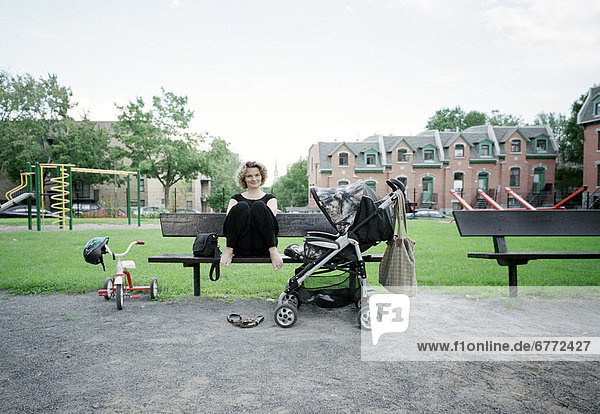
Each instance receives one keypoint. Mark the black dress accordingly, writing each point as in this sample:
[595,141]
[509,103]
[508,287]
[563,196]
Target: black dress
[250,227]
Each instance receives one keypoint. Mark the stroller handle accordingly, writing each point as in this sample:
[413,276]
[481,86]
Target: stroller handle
[396,185]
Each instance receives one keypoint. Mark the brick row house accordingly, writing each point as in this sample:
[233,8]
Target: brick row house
[589,118]
[432,163]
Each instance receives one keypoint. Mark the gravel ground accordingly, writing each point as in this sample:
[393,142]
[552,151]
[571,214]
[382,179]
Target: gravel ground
[78,353]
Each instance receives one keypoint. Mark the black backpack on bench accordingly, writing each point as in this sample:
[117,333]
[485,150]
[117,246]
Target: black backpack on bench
[207,245]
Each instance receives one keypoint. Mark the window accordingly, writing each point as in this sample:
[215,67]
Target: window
[188,205]
[598,132]
[190,187]
[515,145]
[515,177]
[402,155]
[459,179]
[428,155]
[485,150]
[597,108]
[371,159]
[598,175]
[459,150]
[541,145]
[372,185]
[343,160]
[142,203]
[81,190]
[343,182]
[142,185]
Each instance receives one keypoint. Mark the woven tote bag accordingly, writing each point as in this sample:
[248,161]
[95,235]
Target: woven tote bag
[397,268]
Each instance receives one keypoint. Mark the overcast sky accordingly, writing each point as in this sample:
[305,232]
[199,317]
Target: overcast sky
[273,77]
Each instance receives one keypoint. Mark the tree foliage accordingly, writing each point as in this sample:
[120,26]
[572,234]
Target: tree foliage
[224,164]
[292,188]
[35,127]
[158,141]
[570,144]
[452,119]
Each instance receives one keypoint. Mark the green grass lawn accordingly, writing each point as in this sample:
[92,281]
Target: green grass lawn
[77,220]
[46,262]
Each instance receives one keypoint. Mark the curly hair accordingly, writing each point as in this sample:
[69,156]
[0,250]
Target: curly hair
[240,175]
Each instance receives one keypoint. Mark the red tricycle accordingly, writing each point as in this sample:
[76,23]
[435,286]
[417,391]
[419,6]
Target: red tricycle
[120,285]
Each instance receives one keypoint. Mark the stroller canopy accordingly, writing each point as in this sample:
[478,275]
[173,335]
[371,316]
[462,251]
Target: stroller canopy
[347,206]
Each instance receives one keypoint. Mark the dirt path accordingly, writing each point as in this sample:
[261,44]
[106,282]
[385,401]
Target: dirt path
[77,353]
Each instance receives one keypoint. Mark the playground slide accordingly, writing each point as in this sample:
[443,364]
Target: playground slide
[15,200]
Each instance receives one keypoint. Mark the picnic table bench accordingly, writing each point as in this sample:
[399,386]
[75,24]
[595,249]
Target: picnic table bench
[542,223]
[192,224]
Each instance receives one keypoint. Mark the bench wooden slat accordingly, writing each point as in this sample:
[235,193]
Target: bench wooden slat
[535,255]
[189,225]
[528,222]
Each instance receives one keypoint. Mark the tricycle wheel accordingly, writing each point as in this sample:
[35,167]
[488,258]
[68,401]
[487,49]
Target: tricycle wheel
[108,285]
[286,315]
[119,296]
[364,318]
[290,298]
[153,288]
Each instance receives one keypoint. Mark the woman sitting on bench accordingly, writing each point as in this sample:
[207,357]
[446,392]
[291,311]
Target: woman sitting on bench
[250,226]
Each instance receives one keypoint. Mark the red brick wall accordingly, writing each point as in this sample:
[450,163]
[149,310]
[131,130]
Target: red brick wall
[591,156]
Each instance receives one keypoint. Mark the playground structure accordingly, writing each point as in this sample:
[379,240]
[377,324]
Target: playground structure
[32,186]
[518,198]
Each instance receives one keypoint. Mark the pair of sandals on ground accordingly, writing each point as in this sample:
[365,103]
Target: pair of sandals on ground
[237,320]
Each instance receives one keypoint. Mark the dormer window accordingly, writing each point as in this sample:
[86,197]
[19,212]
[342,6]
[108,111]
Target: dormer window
[459,150]
[428,155]
[402,155]
[371,157]
[485,150]
[343,159]
[541,145]
[515,145]
[597,107]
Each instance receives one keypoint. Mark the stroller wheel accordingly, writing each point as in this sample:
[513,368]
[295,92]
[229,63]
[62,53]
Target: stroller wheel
[286,315]
[290,298]
[364,318]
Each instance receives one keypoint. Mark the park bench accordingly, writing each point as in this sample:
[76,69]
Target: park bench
[541,223]
[190,225]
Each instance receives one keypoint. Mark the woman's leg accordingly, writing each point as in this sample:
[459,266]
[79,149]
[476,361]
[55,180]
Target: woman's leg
[264,232]
[237,232]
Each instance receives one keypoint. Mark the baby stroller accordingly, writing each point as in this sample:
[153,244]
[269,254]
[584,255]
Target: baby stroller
[333,271]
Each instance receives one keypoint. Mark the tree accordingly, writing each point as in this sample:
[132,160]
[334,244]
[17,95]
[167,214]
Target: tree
[497,119]
[447,119]
[88,144]
[223,165]
[570,145]
[158,141]
[32,116]
[292,188]
[555,121]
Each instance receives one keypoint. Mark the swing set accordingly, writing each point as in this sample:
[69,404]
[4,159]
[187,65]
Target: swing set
[32,186]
